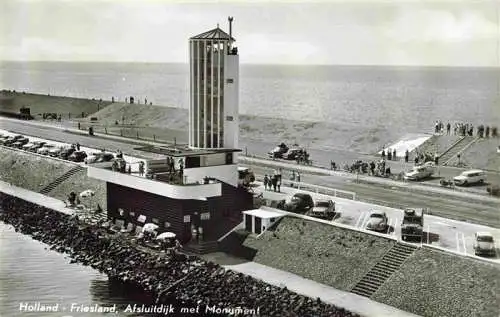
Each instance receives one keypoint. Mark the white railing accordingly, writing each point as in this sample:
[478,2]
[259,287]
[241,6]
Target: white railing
[318,189]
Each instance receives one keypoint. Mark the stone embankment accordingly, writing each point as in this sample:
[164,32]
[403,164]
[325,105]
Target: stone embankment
[170,279]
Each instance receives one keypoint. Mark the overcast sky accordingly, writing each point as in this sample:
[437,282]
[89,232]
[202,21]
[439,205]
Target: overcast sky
[444,33]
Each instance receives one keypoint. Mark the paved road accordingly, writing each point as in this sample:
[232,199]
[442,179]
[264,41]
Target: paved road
[463,209]
[451,207]
[445,233]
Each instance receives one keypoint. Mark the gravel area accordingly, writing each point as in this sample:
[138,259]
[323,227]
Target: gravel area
[482,154]
[323,253]
[29,171]
[78,183]
[436,284]
[438,143]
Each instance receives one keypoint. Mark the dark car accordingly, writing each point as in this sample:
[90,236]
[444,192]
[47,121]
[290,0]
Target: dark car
[36,145]
[299,203]
[77,156]
[12,139]
[278,151]
[65,153]
[105,157]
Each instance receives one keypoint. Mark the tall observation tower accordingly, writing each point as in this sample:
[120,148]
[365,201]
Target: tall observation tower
[214,90]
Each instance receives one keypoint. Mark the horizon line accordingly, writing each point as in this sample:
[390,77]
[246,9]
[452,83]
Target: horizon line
[253,64]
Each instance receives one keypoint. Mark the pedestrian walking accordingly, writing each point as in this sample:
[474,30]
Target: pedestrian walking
[266,181]
[141,168]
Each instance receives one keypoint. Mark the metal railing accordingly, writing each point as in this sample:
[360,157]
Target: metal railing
[318,189]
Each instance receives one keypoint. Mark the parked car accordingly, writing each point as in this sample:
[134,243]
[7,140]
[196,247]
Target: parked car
[245,176]
[56,151]
[293,153]
[99,158]
[278,151]
[44,150]
[66,152]
[77,156]
[36,145]
[421,172]
[377,221]
[298,203]
[3,138]
[323,209]
[12,139]
[17,145]
[470,177]
[484,244]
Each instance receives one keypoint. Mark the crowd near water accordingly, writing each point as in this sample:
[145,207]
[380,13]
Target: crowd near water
[177,279]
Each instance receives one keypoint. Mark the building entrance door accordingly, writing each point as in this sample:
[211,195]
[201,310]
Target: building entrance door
[248,223]
[258,225]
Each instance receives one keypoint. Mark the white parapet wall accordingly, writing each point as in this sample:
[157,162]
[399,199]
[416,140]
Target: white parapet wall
[195,191]
[225,173]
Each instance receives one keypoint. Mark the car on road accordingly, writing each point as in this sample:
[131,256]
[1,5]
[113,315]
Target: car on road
[377,221]
[77,156]
[323,209]
[44,150]
[470,177]
[278,151]
[421,172]
[484,244]
[66,152]
[293,153]
[298,203]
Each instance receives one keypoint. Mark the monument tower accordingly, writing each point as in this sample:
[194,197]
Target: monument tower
[214,90]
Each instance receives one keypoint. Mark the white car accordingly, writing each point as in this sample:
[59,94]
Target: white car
[54,152]
[484,244]
[470,177]
[377,221]
[44,150]
[421,172]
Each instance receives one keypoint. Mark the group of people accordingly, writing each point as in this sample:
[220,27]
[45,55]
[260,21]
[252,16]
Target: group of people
[465,129]
[273,182]
[154,272]
[391,155]
[302,157]
[372,168]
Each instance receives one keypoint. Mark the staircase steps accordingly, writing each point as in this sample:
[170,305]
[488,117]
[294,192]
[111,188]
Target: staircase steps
[383,269]
[202,247]
[50,187]
[456,148]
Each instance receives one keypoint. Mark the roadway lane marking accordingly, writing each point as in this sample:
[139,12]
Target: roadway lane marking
[461,242]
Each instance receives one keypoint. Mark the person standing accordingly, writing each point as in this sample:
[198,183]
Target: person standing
[383,154]
[394,155]
[266,181]
[407,156]
[274,182]
[389,155]
[298,177]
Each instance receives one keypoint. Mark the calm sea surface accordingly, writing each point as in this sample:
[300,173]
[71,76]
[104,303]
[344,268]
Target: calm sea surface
[30,273]
[401,98]
[378,98]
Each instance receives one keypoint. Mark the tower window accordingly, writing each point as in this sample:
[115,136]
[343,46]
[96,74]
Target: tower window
[229,118]
[229,80]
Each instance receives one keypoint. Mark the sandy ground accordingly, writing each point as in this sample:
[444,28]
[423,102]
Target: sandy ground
[482,154]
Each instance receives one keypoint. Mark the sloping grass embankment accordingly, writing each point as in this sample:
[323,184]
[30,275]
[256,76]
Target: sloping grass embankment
[326,254]
[437,284]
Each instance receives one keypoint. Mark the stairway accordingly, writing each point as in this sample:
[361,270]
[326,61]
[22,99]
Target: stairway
[50,187]
[202,247]
[390,263]
[456,148]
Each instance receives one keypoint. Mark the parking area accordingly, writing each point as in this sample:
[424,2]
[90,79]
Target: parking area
[455,236]
[130,160]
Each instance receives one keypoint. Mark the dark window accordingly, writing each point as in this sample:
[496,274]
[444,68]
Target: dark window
[273,219]
[229,158]
[229,80]
[193,161]
[229,118]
